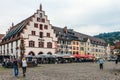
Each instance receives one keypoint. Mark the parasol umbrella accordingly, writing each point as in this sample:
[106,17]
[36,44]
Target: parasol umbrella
[77,55]
[89,56]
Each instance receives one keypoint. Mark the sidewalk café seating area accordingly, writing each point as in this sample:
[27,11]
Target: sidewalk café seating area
[7,64]
[61,58]
[32,61]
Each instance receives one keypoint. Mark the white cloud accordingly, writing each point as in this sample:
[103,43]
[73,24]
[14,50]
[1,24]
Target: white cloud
[82,15]
[96,29]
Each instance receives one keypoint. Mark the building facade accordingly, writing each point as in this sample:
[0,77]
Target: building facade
[1,36]
[75,46]
[40,37]
[79,43]
[37,33]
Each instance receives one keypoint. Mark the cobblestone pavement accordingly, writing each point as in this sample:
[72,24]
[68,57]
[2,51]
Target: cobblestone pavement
[72,71]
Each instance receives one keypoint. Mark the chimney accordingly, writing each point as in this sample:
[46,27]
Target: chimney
[12,24]
[65,29]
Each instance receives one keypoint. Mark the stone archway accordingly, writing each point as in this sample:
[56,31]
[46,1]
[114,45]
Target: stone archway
[31,53]
[49,53]
[40,53]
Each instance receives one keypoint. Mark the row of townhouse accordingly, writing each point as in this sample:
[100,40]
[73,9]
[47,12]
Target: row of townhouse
[40,37]
[72,42]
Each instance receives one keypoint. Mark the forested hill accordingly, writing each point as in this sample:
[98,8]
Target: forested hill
[109,37]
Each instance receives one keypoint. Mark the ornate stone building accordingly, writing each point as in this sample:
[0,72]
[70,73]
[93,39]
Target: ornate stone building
[37,33]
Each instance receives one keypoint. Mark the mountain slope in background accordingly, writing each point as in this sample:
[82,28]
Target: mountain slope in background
[110,37]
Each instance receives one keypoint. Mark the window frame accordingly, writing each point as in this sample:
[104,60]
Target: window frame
[49,44]
[41,44]
[31,43]
[36,25]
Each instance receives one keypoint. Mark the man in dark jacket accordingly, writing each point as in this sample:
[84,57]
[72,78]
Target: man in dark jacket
[15,67]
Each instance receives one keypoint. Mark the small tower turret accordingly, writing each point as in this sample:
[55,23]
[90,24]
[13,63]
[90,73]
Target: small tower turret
[40,7]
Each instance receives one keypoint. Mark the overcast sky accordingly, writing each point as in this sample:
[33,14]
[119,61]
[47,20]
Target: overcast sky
[90,17]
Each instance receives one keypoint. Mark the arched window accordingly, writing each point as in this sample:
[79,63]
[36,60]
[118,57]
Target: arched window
[31,53]
[31,43]
[40,53]
[49,45]
[49,53]
[41,44]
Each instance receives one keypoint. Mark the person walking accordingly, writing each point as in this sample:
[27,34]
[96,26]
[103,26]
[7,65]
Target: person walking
[101,62]
[15,67]
[24,66]
[116,61]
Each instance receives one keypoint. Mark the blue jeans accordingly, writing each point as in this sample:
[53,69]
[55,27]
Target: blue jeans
[15,70]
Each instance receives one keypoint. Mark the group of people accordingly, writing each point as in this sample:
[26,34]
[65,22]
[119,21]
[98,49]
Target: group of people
[16,65]
[23,63]
[7,63]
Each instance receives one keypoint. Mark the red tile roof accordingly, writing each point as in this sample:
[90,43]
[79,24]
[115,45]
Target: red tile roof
[1,36]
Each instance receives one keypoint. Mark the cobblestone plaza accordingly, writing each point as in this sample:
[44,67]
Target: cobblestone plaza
[72,71]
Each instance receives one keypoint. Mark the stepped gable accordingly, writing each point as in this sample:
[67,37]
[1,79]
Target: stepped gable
[17,28]
[14,30]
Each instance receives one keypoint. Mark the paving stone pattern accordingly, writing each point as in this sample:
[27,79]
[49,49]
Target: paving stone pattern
[69,71]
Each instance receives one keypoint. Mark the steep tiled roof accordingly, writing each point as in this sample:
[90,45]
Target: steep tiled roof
[1,36]
[58,29]
[62,35]
[17,28]
[81,36]
[90,37]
